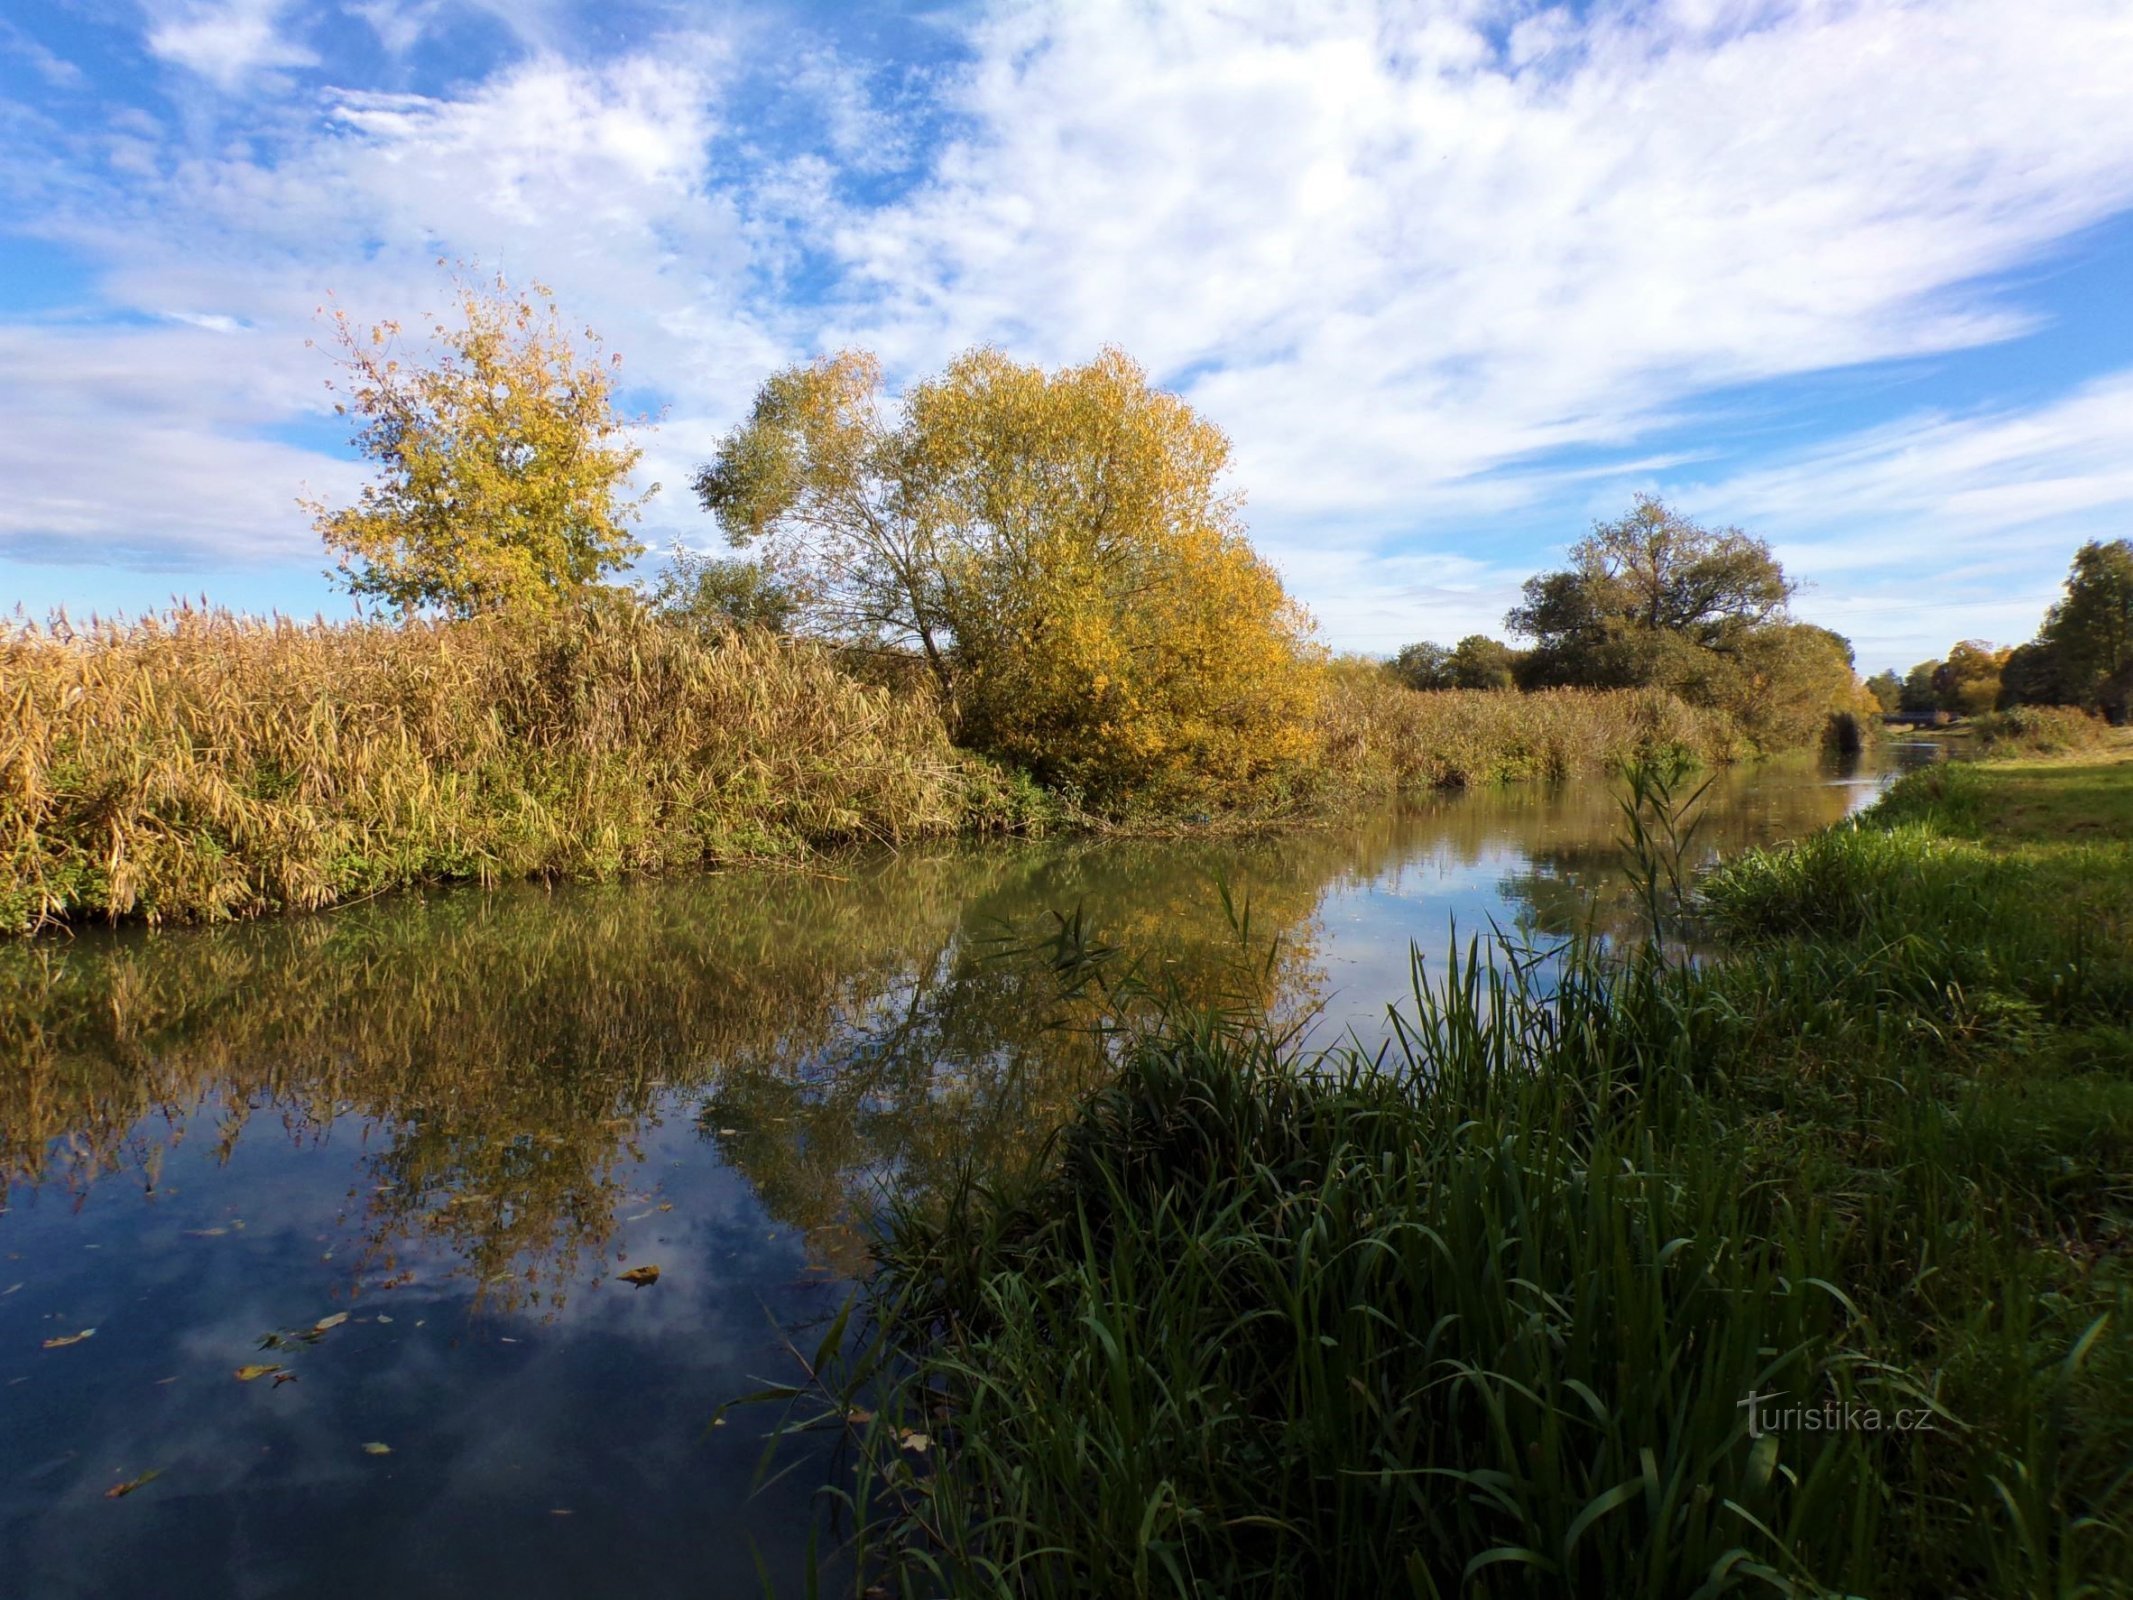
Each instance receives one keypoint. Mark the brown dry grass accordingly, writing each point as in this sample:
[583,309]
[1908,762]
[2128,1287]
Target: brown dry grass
[202,766]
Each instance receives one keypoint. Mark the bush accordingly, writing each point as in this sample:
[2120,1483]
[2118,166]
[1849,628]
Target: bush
[2039,730]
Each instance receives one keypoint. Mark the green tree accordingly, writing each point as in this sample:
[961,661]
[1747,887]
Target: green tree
[2032,677]
[1479,662]
[1655,599]
[1057,547]
[2090,632]
[720,595]
[1422,665]
[501,460]
[1887,690]
[1646,599]
[1919,693]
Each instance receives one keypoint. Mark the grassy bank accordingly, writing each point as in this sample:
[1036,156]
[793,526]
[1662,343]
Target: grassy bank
[1479,1317]
[200,767]
[204,767]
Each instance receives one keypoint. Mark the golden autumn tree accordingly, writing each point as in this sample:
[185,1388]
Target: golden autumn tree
[1059,549]
[502,463]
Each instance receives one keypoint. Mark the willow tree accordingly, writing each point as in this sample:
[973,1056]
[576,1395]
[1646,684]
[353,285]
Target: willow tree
[1057,547]
[502,463]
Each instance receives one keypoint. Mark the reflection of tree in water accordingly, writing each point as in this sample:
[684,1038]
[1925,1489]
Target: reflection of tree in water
[835,1033]
[508,1050]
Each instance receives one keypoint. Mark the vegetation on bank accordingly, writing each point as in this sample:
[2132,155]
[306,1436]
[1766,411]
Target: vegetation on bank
[2081,658]
[1005,597]
[203,767]
[1486,1314]
[1656,600]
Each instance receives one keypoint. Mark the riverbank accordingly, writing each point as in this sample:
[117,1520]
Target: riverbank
[1804,1269]
[204,767]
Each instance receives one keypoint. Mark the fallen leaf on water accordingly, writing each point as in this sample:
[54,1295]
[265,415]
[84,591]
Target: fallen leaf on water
[205,1233]
[375,1449]
[382,1317]
[859,1416]
[66,1339]
[666,1205]
[333,1321]
[247,1374]
[641,1276]
[916,1443]
[119,1491]
[281,1378]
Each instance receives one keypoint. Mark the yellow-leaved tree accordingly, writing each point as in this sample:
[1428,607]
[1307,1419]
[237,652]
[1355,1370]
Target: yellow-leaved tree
[502,462]
[1057,547]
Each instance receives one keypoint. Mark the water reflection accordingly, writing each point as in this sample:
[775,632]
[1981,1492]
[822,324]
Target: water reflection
[478,1107]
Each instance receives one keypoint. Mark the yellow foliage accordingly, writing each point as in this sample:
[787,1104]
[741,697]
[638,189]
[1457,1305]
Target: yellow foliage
[1059,547]
[501,464]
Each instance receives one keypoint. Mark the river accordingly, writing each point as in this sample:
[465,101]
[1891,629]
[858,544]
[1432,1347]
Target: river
[401,1153]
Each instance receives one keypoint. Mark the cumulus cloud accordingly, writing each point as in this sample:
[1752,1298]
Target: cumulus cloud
[1442,270]
[227,41]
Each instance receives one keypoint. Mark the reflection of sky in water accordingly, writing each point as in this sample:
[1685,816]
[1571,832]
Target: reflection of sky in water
[527,1078]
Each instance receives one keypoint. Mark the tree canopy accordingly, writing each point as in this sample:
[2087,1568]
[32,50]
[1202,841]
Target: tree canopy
[1645,598]
[2090,632]
[1657,599]
[1058,547]
[501,460]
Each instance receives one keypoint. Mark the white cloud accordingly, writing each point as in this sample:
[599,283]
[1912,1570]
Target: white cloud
[1397,250]
[1396,259]
[1901,527]
[227,41]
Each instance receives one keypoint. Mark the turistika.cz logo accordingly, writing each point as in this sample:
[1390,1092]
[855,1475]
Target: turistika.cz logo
[1833,1415]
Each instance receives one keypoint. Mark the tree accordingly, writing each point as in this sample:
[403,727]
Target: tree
[1967,684]
[1647,599]
[501,459]
[1479,662]
[722,595]
[1919,693]
[1887,690]
[1057,548]
[2031,677]
[1422,666]
[2090,632]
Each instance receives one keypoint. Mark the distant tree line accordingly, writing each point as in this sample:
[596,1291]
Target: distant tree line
[2082,655]
[1655,599]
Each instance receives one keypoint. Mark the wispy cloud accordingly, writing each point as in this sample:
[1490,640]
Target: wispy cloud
[227,41]
[1444,271]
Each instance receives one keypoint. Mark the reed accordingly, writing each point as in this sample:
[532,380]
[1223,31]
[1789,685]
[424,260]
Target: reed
[1377,733]
[1478,1314]
[201,766]
[2039,730]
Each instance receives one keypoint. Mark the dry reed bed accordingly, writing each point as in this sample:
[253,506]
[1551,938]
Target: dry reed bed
[1380,733]
[202,766]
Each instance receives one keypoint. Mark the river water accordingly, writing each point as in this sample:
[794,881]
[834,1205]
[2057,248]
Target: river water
[402,1152]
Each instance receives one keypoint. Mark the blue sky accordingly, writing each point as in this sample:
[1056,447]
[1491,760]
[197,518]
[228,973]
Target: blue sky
[1457,276]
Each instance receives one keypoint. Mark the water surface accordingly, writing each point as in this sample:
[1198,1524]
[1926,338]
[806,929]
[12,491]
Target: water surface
[455,1119]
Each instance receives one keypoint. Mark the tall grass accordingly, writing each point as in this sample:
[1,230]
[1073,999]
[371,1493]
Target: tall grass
[1478,1314]
[202,766]
[2039,730]
[1376,732]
